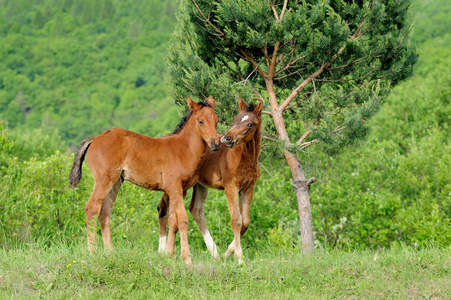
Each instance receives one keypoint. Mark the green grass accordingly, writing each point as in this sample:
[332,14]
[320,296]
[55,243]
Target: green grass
[134,272]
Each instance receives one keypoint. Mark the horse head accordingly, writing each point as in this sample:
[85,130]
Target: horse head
[206,121]
[244,126]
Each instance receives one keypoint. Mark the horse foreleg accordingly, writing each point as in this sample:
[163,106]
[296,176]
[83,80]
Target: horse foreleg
[173,229]
[196,208]
[235,222]
[245,207]
[105,214]
[163,209]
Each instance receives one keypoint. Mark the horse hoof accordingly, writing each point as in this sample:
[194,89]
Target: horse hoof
[188,261]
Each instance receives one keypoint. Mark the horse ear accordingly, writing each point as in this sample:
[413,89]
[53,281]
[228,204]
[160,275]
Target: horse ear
[192,104]
[243,105]
[258,109]
[211,101]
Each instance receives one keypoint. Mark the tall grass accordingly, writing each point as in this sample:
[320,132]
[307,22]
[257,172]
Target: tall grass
[64,271]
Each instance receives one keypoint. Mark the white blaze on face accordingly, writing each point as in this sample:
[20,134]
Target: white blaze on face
[244,118]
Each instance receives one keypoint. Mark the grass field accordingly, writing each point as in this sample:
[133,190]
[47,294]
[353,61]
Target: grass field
[134,272]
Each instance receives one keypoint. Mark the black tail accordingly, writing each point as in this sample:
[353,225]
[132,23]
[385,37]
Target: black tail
[75,173]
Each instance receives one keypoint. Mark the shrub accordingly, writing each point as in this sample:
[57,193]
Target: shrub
[39,205]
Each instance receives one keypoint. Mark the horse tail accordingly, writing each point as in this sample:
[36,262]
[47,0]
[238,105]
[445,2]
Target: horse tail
[75,172]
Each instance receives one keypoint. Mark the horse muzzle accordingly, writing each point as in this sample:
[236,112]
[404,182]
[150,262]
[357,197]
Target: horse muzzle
[227,141]
[215,146]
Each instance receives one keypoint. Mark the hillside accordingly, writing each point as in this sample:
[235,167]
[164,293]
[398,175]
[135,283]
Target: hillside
[85,66]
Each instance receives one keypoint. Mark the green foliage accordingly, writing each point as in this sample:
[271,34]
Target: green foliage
[39,206]
[85,66]
[39,143]
[360,50]
[431,20]
[397,186]
[5,143]
[406,200]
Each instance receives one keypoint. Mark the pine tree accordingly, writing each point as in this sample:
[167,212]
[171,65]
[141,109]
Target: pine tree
[321,68]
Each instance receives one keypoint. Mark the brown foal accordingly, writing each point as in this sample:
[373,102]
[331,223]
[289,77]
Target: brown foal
[233,168]
[168,164]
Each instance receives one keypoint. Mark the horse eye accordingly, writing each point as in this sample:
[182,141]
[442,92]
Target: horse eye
[250,125]
[201,122]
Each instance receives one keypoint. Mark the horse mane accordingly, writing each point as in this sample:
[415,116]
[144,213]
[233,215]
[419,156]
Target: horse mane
[250,108]
[186,117]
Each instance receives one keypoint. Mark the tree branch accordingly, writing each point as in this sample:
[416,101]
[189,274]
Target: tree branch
[272,65]
[348,64]
[274,10]
[205,28]
[318,72]
[338,130]
[265,53]
[283,10]
[307,133]
[304,183]
[289,74]
[246,82]
[303,137]
[269,138]
[207,20]
[253,62]
[273,7]
[296,91]
[290,63]
[307,144]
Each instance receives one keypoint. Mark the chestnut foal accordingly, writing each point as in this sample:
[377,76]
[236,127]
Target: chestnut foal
[235,169]
[168,164]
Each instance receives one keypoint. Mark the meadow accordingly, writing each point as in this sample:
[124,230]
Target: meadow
[135,271]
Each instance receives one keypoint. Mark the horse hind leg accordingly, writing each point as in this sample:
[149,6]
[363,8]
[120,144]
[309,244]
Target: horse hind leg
[196,208]
[163,208]
[173,229]
[105,214]
[235,222]
[93,208]
[245,208]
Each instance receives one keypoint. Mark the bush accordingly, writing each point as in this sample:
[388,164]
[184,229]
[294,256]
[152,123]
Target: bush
[39,205]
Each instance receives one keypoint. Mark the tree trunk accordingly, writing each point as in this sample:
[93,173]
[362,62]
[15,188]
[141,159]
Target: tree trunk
[301,187]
